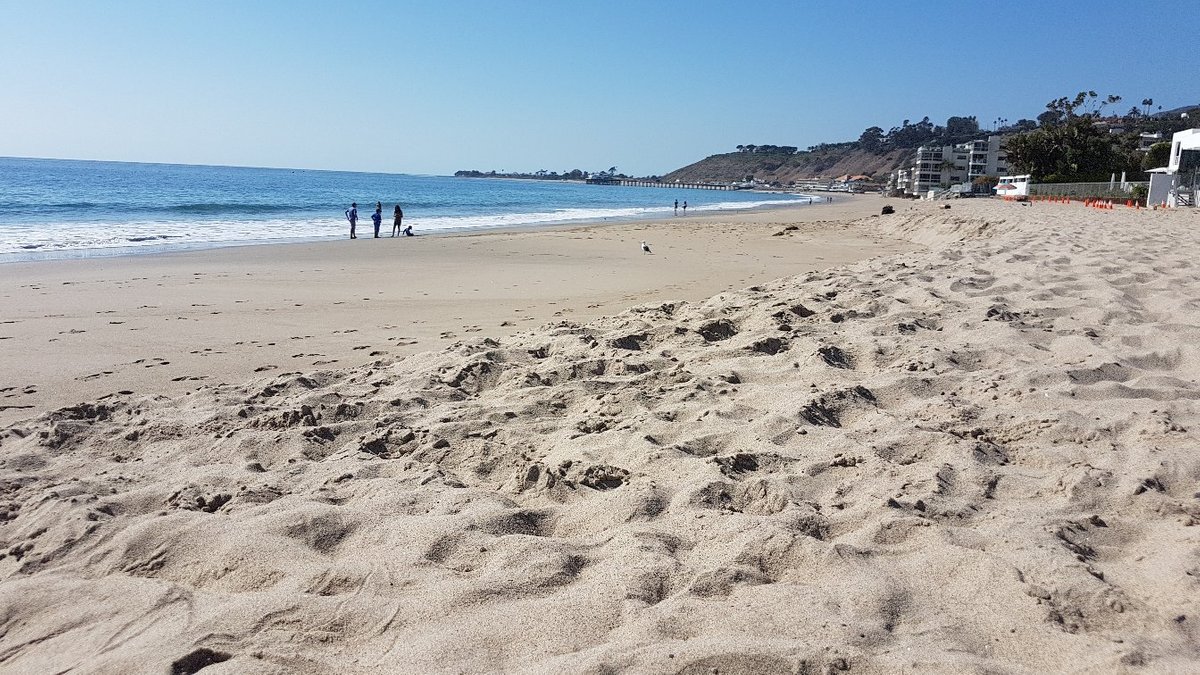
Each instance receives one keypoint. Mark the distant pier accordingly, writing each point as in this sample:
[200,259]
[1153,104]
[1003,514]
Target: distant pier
[659,184]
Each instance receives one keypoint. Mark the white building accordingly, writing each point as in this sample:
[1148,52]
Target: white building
[1146,140]
[950,168]
[1176,183]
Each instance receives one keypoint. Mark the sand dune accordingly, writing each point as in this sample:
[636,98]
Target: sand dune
[976,457]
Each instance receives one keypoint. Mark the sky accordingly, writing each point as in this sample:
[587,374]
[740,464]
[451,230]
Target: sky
[648,86]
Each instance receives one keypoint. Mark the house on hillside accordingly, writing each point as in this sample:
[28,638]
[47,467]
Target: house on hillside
[1146,140]
[1176,184]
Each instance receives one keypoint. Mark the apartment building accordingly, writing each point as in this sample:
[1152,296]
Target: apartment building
[950,168]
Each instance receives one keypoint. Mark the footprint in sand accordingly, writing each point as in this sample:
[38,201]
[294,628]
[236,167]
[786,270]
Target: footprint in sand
[264,368]
[93,376]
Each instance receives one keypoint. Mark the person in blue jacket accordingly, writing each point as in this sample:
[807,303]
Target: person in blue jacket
[377,218]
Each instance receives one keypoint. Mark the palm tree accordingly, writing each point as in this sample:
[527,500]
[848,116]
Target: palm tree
[946,167]
[1147,102]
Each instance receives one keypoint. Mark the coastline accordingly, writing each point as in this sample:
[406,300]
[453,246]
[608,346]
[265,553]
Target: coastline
[181,207]
[970,455]
[167,249]
[168,323]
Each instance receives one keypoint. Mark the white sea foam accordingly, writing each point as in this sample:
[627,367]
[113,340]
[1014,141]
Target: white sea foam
[20,242]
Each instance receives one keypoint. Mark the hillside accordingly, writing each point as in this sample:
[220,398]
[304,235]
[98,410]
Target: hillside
[878,152]
[785,168]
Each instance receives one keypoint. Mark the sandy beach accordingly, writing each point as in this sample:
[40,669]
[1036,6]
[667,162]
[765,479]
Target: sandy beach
[75,330]
[812,440]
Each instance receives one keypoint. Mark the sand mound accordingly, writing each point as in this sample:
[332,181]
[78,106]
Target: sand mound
[971,459]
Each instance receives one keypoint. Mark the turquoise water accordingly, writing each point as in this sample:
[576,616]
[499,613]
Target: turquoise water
[69,208]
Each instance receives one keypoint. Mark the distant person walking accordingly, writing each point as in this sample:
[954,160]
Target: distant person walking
[377,218]
[352,216]
[676,207]
[397,219]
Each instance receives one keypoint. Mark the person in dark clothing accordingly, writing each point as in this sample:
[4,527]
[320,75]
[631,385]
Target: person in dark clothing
[397,219]
[352,216]
[377,218]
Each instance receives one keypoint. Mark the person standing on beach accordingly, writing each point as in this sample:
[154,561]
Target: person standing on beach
[685,207]
[676,207]
[352,216]
[397,218]
[377,218]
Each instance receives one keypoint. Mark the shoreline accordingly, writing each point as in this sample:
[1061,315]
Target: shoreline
[138,229]
[167,249]
[167,323]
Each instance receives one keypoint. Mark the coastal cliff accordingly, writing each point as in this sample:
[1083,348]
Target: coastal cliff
[786,168]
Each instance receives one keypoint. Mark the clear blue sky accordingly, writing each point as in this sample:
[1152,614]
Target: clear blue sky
[645,85]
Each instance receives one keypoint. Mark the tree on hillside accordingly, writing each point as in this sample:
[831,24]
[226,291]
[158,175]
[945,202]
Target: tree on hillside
[871,139]
[1019,126]
[1084,104]
[962,126]
[1071,151]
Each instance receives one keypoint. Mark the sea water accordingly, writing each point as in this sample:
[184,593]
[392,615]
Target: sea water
[72,208]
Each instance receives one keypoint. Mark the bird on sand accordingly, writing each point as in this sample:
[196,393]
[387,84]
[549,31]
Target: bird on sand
[645,248]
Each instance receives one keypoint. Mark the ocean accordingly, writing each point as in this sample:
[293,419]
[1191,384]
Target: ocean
[53,208]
